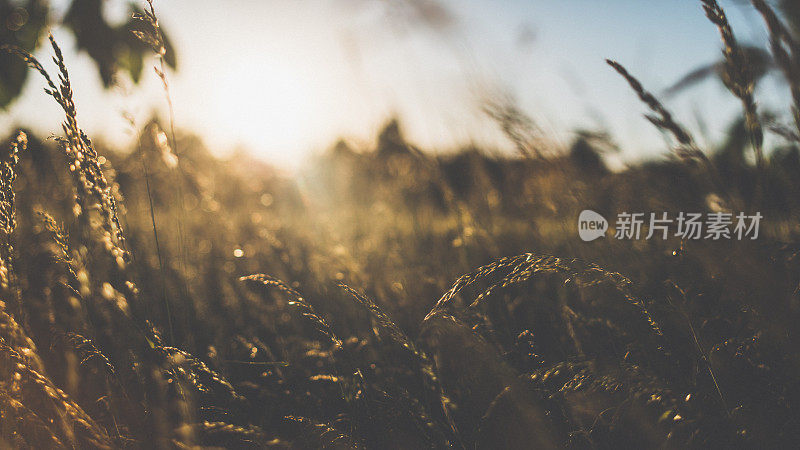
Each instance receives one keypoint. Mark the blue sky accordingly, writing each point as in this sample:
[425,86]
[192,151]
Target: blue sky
[285,78]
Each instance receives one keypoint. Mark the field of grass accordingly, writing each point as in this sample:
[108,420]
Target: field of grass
[389,297]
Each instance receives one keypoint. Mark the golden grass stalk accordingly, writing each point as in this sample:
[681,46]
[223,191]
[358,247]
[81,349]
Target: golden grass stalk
[786,51]
[661,117]
[509,271]
[94,192]
[297,301]
[738,76]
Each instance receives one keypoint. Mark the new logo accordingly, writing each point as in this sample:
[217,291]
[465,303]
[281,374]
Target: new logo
[591,225]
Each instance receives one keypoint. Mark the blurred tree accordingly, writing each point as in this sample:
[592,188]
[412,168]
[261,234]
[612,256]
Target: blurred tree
[586,151]
[24,23]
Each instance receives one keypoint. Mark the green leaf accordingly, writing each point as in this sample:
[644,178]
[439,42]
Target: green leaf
[28,27]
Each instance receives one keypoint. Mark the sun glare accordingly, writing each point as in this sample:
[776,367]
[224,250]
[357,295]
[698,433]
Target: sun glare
[265,98]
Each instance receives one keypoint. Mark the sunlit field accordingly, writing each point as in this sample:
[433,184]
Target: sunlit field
[157,292]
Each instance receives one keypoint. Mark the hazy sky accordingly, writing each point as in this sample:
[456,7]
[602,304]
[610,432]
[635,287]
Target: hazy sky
[285,78]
